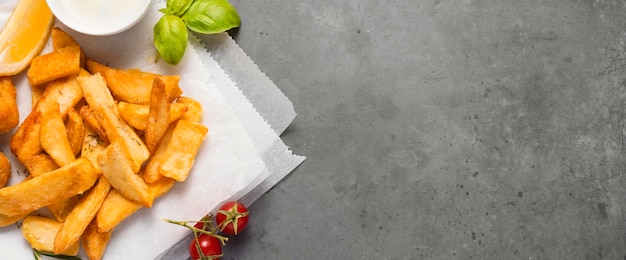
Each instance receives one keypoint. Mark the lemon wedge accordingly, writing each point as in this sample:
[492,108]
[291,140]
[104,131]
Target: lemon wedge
[24,35]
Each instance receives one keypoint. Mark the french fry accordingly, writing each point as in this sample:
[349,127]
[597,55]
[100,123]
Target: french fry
[5,170]
[95,242]
[150,172]
[194,111]
[90,118]
[100,100]
[54,65]
[40,232]
[82,214]
[40,164]
[181,149]
[25,142]
[36,93]
[136,115]
[53,137]
[9,115]
[92,146]
[8,220]
[65,182]
[116,167]
[75,130]
[134,86]
[158,118]
[116,207]
[62,208]
[61,39]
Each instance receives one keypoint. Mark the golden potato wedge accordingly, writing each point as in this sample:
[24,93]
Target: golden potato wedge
[25,142]
[62,208]
[9,114]
[6,220]
[181,149]
[54,65]
[40,164]
[134,86]
[82,214]
[5,170]
[116,166]
[136,115]
[93,145]
[158,117]
[53,137]
[61,39]
[116,207]
[100,100]
[75,128]
[95,242]
[90,119]
[65,182]
[194,109]
[40,232]
[36,93]
[150,172]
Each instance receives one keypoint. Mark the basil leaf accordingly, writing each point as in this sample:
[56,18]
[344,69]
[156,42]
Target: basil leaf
[176,7]
[170,38]
[211,16]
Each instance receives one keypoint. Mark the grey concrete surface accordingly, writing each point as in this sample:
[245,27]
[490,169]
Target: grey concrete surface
[444,129]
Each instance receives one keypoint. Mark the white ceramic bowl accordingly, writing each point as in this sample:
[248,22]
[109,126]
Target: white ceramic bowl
[99,17]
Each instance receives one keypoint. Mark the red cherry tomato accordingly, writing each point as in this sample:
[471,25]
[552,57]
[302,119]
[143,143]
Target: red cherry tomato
[232,217]
[208,245]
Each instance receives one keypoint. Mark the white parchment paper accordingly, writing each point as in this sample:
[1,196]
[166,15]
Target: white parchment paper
[242,158]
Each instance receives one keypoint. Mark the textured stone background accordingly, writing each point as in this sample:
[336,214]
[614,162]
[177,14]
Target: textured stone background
[444,129]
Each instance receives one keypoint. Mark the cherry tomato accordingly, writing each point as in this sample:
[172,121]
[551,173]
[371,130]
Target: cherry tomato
[209,245]
[232,217]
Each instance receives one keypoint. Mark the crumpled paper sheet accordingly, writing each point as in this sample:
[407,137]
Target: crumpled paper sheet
[242,158]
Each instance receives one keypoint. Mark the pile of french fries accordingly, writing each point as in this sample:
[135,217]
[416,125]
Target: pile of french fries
[99,144]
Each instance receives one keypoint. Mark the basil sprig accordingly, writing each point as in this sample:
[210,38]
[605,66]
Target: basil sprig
[201,16]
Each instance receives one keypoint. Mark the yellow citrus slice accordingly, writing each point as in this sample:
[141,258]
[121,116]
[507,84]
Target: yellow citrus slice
[24,35]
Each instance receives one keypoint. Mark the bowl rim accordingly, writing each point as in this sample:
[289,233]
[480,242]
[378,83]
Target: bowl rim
[100,27]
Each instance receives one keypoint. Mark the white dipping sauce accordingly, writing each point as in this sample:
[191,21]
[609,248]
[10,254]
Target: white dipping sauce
[99,17]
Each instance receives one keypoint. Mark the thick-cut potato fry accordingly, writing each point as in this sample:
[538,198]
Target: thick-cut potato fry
[82,214]
[90,118]
[182,148]
[61,39]
[25,142]
[9,115]
[40,164]
[150,173]
[62,208]
[65,182]
[136,115]
[5,170]
[158,118]
[40,233]
[75,128]
[134,86]
[6,220]
[36,92]
[54,65]
[95,242]
[53,137]
[116,167]
[100,100]
[194,109]
[92,146]
[116,207]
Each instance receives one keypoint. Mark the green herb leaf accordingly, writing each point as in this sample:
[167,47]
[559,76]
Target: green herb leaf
[170,38]
[211,16]
[38,255]
[176,7]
